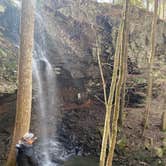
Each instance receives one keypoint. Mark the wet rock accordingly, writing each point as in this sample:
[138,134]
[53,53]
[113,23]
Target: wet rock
[78,131]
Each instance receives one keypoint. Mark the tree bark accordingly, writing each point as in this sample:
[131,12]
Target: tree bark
[151,61]
[125,58]
[118,91]
[116,110]
[106,132]
[24,95]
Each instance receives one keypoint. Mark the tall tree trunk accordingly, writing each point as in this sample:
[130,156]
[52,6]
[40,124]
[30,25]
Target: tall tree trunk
[109,103]
[150,72]
[116,110]
[106,132]
[125,58]
[24,95]
[119,84]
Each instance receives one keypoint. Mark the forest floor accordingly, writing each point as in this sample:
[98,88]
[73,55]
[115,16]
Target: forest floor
[135,149]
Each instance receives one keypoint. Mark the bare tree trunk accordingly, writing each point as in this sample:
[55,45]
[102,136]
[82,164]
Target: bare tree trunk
[125,58]
[123,49]
[150,72]
[24,95]
[110,101]
[118,65]
[116,110]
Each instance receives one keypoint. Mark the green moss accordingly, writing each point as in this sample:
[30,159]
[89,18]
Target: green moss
[122,143]
[140,80]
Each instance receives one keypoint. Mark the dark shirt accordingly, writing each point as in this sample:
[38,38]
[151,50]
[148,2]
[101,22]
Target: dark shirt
[25,155]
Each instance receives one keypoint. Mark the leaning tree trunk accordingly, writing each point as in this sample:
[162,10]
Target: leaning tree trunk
[122,57]
[150,72]
[24,95]
[106,132]
[110,103]
[116,111]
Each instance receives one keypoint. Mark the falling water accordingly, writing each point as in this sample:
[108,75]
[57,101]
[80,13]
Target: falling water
[46,91]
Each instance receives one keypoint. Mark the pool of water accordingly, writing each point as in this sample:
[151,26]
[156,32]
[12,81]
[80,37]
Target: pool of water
[82,161]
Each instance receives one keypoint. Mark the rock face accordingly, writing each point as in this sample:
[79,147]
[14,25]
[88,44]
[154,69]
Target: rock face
[9,36]
[71,48]
[7,114]
[71,39]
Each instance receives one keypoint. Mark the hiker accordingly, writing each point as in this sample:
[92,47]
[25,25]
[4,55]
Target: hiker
[25,152]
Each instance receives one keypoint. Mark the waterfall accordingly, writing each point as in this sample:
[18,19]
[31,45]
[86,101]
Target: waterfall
[46,94]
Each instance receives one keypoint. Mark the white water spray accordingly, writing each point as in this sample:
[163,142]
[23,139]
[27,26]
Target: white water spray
[44,77]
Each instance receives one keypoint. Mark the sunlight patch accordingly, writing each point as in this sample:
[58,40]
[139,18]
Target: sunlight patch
[104,1]
[2,9]
[17,3]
